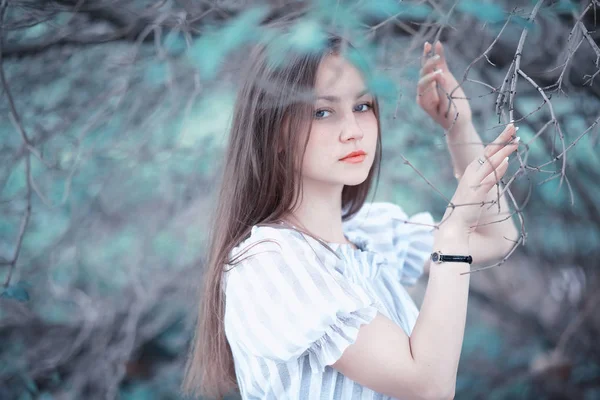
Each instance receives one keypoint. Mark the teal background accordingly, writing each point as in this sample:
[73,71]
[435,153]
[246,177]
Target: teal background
[132,127]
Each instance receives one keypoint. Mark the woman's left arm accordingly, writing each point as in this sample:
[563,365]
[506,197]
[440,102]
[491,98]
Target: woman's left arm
[491,240]
[496,233]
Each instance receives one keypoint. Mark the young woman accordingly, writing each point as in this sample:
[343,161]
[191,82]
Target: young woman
[303,293]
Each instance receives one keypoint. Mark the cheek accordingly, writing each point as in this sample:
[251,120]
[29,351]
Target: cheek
[371,123]
[318,141]
[319,148]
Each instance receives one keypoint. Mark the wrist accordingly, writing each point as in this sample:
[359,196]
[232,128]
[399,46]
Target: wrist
[452,238]
[459,129]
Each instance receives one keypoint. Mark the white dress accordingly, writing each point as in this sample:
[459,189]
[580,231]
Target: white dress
[293,307]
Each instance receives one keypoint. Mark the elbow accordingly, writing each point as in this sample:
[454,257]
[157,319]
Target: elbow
[440,391]
[429,391]
[433,384]
[440,394]
[448,394]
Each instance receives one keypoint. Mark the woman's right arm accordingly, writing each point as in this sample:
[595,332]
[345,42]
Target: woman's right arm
[424,365]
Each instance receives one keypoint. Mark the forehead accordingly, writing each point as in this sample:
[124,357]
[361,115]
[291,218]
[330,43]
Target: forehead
[337,76]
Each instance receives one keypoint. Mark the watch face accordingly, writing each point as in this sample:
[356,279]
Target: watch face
[435,257]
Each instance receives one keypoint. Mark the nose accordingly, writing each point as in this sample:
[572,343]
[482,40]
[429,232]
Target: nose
[351,129]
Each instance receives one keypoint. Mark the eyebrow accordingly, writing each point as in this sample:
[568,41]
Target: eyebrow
[337,99]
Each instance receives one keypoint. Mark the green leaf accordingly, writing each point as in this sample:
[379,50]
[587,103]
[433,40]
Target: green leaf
[380,8]
[242,28]
[588,372]
[307,35]
[208,122]
[360,58]
[25,396]
[29,384]
[491,12]
[16,180]
[417,11]
[56,311]
[388,8]
[211,49]
[174,43]
[383,87]
[156,73]
[17,292]
[563,6]
[337,16]
[46,227]
[139,391]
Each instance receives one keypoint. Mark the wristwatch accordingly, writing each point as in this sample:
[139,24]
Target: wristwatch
[438,258]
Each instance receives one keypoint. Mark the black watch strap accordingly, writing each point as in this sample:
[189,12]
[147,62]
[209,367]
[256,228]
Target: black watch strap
[437,257]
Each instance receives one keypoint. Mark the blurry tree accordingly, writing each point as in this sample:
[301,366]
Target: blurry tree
[114,115]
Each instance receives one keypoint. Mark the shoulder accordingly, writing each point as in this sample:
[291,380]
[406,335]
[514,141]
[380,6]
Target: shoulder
[269,241]
[382,216]
[270,253]
[281,299]
[378,212]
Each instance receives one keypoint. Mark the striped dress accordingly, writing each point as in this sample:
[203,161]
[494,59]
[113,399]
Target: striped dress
[293,307]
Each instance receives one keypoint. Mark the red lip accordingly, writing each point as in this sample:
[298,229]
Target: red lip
[354,154]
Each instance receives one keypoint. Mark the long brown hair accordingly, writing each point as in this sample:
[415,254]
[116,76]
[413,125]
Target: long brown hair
[259,185]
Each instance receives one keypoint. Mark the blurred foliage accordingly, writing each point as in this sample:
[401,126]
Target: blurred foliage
[138,161]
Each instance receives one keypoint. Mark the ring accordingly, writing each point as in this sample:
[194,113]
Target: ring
[481,162]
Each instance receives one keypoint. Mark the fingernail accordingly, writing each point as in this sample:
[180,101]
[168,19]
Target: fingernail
[516,129]
[437,72]
[517,139]
[506,159]
[435,57]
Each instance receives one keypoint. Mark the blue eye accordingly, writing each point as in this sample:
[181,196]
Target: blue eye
[320,111]
[319,115]
[368,105]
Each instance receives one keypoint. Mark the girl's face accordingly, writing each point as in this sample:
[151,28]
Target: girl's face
[343,122]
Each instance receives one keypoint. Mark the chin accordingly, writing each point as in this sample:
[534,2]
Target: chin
[355,175]
[355,179]
[347,177]
[355,182]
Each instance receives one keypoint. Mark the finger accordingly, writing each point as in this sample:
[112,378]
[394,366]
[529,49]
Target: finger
[428,98]
[425,56]
[492,179]
[439,49]
[430,65]
[495,176]
[427,95]
[492,163]
[502,140]
[427,79]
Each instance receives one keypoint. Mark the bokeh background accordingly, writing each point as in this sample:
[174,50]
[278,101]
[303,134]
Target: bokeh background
[113,120]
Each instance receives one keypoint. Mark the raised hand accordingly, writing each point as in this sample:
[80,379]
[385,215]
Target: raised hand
[479,177]
[434,87]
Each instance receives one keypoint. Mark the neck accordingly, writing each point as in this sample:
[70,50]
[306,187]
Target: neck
[319,211]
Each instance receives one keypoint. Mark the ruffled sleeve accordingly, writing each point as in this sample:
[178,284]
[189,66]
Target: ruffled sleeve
[407,242]
[281,303]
